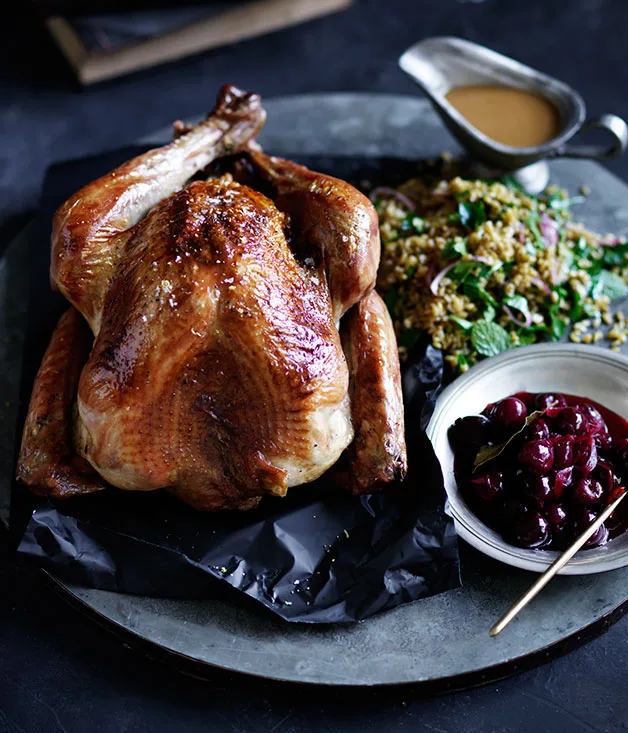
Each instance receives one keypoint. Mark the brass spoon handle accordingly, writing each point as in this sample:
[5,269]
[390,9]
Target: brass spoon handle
[551,571]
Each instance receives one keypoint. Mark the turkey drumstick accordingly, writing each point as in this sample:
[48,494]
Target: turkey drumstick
[88,230]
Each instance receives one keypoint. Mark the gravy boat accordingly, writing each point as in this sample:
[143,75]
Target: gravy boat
[438,65]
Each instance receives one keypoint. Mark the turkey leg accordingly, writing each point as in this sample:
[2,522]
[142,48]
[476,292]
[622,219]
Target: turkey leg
[48,462]
[377,455]
[89,229]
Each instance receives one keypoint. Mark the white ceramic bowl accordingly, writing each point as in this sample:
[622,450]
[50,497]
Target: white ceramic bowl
[585,371]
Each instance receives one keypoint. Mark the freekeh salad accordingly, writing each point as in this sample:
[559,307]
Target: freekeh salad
[481,266]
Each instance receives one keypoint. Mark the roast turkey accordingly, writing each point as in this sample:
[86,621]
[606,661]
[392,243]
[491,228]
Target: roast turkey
[224,340]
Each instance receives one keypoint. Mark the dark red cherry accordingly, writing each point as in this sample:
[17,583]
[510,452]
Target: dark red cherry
[594,419]
[545,400]
[537,456]
[571,421]
[512,509]
[621,451]
[604,441]
[510,413]
[469,433]
[585,518]
[585,454]
[562,480]
[556,514]
[540,489]
[531,530]
[587,490]
[563,452]
[488,486]
[599,537]
[538,430]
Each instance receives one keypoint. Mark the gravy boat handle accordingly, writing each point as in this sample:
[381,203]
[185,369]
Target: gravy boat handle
[612,124]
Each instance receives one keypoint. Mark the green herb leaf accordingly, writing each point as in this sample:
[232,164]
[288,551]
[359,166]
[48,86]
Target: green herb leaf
[462,361]
[609,284]
[527,336]
[453,249]
[462,322]
[472,214]
[489,339]
[413,224]
[474,290]
[533,225]
[489,452]
[559,326]
[615,256]
[410,272]
[558,203]
[461,270]
[519,303]
[489,313]
[576,307]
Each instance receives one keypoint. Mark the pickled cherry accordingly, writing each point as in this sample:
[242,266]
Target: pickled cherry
[549,481]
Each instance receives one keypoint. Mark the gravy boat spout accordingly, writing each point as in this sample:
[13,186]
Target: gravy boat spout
[439,65]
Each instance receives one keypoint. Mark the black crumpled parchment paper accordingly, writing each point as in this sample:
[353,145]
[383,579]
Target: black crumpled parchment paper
[319,555]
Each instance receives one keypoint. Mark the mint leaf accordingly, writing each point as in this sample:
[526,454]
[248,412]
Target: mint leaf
[609,284]
[472,214]
[453,249]
[462,322]
[462,270]
[474,290]
[559,326]
[519,303]
[413,224]
[489,339]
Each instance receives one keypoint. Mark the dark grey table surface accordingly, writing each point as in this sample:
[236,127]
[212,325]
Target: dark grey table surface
[58,670]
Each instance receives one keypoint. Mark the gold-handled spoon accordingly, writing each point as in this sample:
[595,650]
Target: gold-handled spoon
[551,571]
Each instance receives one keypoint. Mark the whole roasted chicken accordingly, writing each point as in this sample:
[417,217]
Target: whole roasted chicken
[224,340]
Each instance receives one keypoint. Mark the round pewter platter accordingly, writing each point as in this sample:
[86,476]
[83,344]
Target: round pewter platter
[443,641]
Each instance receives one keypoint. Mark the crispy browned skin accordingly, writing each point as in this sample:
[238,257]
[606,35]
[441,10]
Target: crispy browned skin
[48,462]
[88,232]
[377,454]
[217,369]
[331,221]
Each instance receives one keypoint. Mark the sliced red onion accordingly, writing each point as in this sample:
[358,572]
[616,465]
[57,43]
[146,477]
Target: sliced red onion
[562,480]
[541,285]
[522,234]
[518,321]
[436,281]
[392,193]
[549,230]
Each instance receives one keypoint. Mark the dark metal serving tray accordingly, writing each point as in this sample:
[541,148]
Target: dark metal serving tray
[442,641]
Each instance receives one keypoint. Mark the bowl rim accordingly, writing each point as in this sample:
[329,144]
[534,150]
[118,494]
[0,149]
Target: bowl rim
[478,534]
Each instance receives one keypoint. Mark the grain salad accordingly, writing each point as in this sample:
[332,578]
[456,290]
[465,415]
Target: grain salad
[481,266]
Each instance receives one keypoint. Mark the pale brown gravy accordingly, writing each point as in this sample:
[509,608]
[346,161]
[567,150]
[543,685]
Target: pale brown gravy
[509,116]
